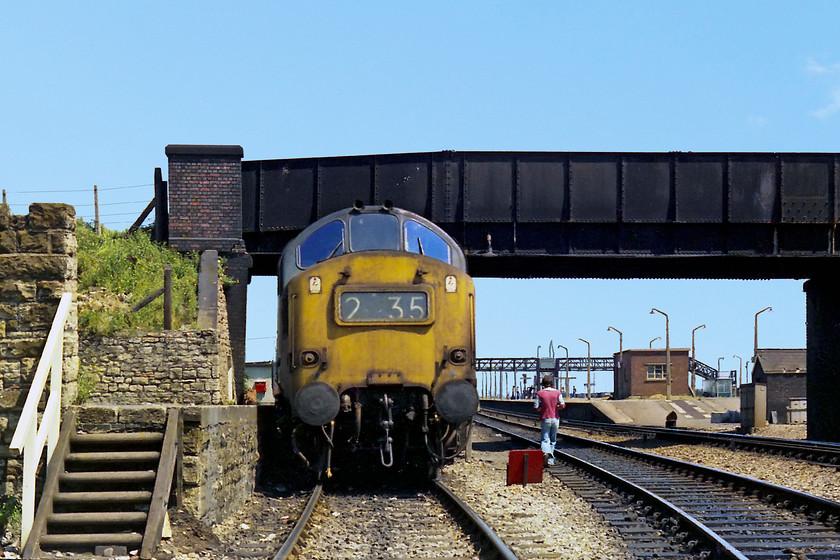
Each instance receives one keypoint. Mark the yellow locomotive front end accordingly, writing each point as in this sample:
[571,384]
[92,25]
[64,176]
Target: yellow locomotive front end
[377,353]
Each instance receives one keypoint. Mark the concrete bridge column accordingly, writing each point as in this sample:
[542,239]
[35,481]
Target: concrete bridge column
[823,358]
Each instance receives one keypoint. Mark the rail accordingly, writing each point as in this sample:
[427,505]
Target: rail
[30,437]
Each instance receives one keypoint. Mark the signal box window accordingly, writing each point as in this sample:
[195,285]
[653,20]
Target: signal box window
[656,371]
[369,232]
[324,243]
[422,240]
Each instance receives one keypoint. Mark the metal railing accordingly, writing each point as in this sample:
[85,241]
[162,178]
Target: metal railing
[30,438]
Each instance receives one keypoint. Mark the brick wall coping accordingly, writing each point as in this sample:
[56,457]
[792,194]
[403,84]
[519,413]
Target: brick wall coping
[203,150]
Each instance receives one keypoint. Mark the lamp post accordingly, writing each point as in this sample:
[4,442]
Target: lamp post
[650,344]
[719,359]
[667,353]
[740,367]
[620,342]
[588,371]
[567,368]
[755,344]
[616,375]
[693,359]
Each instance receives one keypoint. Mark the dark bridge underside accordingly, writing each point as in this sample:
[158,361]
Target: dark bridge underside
[559,214]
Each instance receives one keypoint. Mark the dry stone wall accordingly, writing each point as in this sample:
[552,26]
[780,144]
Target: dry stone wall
[220,459]
[169,367]
[219,450]
[37,265]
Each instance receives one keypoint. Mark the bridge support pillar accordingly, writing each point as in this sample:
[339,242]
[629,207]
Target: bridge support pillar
[205,212]
[236,295]
[823,359]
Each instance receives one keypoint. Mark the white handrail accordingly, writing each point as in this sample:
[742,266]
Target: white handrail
[29,438]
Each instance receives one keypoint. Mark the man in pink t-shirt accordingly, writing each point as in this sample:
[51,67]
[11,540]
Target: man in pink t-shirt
[549,403]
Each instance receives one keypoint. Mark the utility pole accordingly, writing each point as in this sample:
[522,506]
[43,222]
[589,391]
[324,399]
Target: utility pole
[96,224]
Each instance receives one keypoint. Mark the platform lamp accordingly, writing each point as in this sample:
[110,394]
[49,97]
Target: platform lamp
[719,359]
[620,343]
[755,344]
[567,369]
[588,371]
[740,367]
[667,353]
[693,359]
[650,344]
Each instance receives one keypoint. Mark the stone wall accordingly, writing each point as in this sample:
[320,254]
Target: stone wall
[219,450]
[170,367]
[37,265]
[220,460]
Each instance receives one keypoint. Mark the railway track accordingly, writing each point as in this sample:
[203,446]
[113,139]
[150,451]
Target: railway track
[675,509]
[397,523]
[815,452]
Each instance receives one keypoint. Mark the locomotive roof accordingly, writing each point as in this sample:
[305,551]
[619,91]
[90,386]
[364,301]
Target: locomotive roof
[361,229]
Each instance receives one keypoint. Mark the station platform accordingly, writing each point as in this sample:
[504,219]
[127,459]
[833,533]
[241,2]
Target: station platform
[692,412]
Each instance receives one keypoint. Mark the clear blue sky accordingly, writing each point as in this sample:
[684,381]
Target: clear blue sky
[92,92]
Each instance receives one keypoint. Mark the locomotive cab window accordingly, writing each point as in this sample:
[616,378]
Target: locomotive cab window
[422,240]
[322,244]
[369,232]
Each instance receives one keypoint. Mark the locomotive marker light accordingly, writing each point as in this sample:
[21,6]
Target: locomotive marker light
[314,284]
[451,284]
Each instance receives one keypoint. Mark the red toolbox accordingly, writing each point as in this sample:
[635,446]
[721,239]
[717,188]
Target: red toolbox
[524,466]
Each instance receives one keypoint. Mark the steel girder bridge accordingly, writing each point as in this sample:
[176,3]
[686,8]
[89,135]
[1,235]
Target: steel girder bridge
[545,214]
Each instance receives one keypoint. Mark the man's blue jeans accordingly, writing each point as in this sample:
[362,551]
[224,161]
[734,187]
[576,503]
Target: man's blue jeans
[548,436]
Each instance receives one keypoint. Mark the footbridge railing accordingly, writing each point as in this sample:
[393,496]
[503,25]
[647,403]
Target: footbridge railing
[30,438]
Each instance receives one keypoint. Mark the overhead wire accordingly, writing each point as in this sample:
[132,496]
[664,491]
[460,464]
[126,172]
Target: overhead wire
[78,190]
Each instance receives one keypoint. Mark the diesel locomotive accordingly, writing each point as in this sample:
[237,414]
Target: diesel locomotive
[376,341]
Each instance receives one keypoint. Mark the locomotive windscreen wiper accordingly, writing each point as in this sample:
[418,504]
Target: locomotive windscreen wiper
[337,247]
[420,245]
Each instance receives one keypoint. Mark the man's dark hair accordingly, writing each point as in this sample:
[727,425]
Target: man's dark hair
[547,381]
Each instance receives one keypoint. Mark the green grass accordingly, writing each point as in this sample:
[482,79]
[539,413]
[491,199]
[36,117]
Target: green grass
[117,270]
[10,510]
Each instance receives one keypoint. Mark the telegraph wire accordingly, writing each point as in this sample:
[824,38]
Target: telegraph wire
[79,190]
